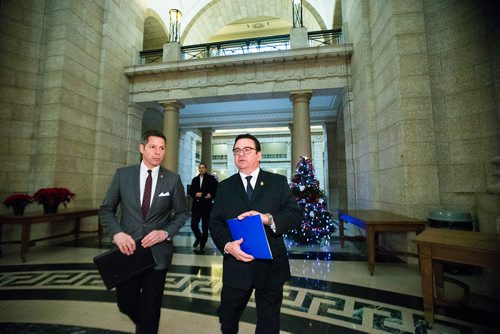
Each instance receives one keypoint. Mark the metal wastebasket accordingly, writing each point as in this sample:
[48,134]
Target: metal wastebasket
[454,220]
[451,219]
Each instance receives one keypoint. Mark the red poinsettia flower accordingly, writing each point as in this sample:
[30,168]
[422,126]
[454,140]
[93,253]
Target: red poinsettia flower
[51,196]
[18,199]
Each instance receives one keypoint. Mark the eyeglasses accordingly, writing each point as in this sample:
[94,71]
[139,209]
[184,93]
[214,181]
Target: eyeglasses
[245,150]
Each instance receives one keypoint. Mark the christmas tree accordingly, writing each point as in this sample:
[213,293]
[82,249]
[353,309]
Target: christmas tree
[316,222]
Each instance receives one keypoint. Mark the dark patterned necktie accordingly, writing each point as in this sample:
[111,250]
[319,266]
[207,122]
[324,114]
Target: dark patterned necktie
[249,187]
[146,199]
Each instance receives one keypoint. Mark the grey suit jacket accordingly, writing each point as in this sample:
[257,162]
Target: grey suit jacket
[168,210]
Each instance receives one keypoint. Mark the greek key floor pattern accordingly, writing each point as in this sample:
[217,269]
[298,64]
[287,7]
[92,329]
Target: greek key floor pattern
[330,292]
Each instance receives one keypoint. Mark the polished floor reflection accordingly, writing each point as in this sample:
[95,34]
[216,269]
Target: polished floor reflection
[59,291]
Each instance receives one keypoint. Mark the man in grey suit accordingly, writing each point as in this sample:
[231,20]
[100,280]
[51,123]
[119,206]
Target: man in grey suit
[253,191]
[152,208]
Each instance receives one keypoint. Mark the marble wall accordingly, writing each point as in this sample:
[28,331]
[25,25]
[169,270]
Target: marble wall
[65,113]
[424,122]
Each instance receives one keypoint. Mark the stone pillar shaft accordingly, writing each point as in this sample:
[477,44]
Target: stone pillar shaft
[171,131]
[301,127]
[135,116]
[206,148]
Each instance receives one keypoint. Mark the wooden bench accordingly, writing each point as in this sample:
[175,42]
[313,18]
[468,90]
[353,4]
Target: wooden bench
[64,215]
[438,245]
[376,221]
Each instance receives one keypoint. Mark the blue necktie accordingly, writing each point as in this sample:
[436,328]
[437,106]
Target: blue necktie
[249,187]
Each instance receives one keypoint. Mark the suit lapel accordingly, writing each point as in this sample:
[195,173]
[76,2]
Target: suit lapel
[159,186]
[238,185]
[260,184]
[200,187]
[136,184]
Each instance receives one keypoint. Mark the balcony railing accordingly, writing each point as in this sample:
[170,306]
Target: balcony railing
[234,47]
[244,46]
[219,157]
[275,156]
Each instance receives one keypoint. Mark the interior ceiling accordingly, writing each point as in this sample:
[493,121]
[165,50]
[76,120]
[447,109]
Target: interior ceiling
[256,111]
[251,27]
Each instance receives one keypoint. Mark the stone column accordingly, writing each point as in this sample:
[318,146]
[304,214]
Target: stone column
[301,127]
[290,148]
[135,114]
[171,130]
[333,168]
[206,148]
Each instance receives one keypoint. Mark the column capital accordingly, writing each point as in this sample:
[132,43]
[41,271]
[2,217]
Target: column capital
[168,104]
[207,130]
[298,95]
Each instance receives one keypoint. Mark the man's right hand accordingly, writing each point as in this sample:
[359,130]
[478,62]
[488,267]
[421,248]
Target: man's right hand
[234,249]
[124,242]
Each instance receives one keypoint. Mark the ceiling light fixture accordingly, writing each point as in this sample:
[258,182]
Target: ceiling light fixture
[297,13]
[175,24]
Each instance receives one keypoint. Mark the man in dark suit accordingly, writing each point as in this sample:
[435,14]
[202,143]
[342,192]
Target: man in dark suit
[153,208]
[202,190]
[269,197]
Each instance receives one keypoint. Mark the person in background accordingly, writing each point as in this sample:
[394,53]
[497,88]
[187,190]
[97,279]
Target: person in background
[152,209]
[253,191]
[203,189]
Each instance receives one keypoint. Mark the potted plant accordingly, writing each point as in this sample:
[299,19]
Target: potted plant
[18,202]
[52,197]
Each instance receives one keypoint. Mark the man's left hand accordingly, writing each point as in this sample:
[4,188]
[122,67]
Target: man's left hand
[263,217]
[153,237]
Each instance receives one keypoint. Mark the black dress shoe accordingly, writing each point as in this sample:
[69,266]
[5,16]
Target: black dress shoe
[202,247]
[196,243]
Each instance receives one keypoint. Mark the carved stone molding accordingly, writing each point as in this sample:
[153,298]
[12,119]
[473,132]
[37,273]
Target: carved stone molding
[276,73]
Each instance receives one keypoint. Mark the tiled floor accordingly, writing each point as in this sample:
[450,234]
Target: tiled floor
[59,291]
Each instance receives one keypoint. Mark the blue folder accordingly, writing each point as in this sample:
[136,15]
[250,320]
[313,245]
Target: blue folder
[254,237]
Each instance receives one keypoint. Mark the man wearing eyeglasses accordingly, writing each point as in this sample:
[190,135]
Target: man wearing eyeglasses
[249,192]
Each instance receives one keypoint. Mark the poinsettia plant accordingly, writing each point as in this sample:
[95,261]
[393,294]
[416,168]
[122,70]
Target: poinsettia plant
[50,196]
[18,199]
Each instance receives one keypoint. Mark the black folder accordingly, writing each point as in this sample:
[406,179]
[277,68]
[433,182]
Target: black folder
[116,267]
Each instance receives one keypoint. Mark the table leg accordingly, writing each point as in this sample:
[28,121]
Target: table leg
[1,235]
[439,279]
[341,232]
[370,248]
[425,256]
[77,228]
[99,233]
[25,240]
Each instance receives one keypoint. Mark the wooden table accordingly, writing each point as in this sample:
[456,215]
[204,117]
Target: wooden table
[467,247]
[63,215]
[376,221]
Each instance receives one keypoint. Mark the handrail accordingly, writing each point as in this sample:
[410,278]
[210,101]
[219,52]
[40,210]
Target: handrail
[245,46]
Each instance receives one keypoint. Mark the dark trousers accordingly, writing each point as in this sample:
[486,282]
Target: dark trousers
[196,216]
[140,298]
[268,303]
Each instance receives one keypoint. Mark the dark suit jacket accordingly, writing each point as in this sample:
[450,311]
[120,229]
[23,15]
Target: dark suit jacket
[271,195]
[209,186]
[168,209]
